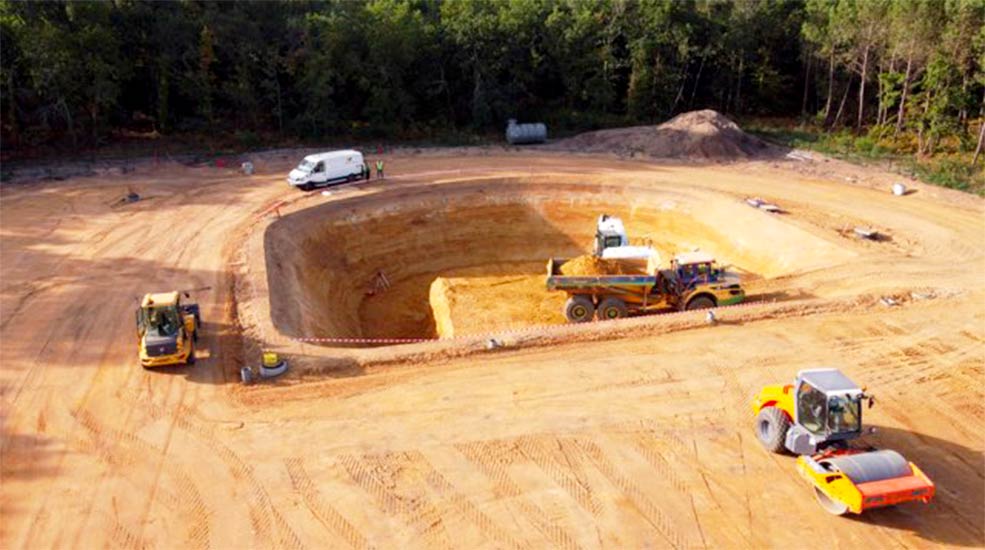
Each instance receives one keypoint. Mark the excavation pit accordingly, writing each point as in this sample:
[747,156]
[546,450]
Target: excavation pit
[469,257]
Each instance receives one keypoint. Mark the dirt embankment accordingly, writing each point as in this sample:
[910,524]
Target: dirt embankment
[697,135]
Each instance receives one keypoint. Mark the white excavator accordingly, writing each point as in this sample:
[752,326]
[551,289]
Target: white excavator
[611,241]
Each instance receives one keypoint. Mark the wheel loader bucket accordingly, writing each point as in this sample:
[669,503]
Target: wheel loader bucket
[859,481]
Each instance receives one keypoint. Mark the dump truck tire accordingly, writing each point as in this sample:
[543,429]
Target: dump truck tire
[611,308]
[701,302]
[771,429]
[579,309]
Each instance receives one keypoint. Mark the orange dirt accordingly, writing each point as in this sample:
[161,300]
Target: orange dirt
[624,434]
[591,265]
[485,304]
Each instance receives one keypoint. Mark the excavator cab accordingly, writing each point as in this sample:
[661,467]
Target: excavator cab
[609,233]
[815,418]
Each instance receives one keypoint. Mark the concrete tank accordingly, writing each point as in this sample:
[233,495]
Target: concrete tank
[518,134]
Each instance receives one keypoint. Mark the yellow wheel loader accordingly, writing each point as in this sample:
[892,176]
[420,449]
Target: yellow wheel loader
[815,418]
[167,330]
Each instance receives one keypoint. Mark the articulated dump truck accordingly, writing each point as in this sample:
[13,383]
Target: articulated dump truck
[694,281]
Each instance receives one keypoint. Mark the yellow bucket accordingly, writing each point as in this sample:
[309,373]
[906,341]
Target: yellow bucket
[270,359]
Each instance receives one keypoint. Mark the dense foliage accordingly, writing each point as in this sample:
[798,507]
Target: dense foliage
[82,72]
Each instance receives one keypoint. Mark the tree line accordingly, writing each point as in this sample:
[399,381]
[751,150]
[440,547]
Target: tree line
[81,72]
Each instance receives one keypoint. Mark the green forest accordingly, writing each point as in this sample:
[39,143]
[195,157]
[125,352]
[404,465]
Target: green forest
[900,76]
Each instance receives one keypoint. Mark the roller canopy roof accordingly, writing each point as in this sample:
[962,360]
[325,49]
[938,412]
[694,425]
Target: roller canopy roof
[828,380]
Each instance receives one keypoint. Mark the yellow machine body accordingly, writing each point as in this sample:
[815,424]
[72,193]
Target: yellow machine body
[166,330]
[845,479]
[775,395]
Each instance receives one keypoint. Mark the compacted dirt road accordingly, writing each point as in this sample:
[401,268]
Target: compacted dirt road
[565,437]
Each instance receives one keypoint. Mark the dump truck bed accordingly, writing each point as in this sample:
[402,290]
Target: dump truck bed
[558,281]
[637,290]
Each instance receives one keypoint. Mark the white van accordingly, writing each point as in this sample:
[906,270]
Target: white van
[327,169]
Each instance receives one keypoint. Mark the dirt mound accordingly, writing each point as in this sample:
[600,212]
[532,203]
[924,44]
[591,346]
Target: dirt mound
[697,135]
[592,265]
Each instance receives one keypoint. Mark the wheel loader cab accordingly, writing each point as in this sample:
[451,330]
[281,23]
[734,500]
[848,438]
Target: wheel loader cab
[166,330]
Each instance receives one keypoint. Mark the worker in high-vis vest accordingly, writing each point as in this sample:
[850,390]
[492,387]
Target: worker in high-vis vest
[379,169]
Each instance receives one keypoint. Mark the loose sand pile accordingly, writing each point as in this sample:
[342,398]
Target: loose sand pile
[697,135]
[592,265]
[477,305]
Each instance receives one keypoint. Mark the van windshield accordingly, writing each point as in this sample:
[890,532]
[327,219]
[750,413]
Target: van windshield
[306,166]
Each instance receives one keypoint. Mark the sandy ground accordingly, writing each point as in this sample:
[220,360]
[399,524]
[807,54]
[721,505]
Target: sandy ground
[635,433]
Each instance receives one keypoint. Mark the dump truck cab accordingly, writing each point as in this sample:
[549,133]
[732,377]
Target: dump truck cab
[166,330]
[609,233]
[815,418]
[698,282]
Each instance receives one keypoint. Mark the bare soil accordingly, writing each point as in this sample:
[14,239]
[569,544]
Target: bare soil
[619,434]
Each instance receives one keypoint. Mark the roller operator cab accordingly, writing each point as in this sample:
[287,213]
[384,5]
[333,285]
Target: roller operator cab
[167,330]
[815,418]
[326,169]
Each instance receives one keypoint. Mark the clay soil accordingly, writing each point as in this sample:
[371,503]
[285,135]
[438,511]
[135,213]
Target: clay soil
[635,433]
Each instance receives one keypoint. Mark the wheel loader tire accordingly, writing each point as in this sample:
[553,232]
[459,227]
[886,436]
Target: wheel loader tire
[611,308]
[701,302]
[771,429]
[579,309]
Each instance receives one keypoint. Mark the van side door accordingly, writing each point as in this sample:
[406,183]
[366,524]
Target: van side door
[319,175]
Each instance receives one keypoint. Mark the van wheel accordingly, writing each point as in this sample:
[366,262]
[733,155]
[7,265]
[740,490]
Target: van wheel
[306,187]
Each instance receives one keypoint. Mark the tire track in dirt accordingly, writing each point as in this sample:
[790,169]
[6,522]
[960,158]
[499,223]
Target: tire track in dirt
[122,449]
[325,513]
[461,503]
[377,477]
[492,458]
[267,522]
[122,537]
[569,475]
[651,513]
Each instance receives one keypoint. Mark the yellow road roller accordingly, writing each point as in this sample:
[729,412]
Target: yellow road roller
[815,418]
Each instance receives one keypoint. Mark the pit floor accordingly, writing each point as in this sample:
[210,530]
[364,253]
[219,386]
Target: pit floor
[641,441]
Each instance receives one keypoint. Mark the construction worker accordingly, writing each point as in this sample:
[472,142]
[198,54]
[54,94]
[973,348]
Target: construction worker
[379,169]
[366,171]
